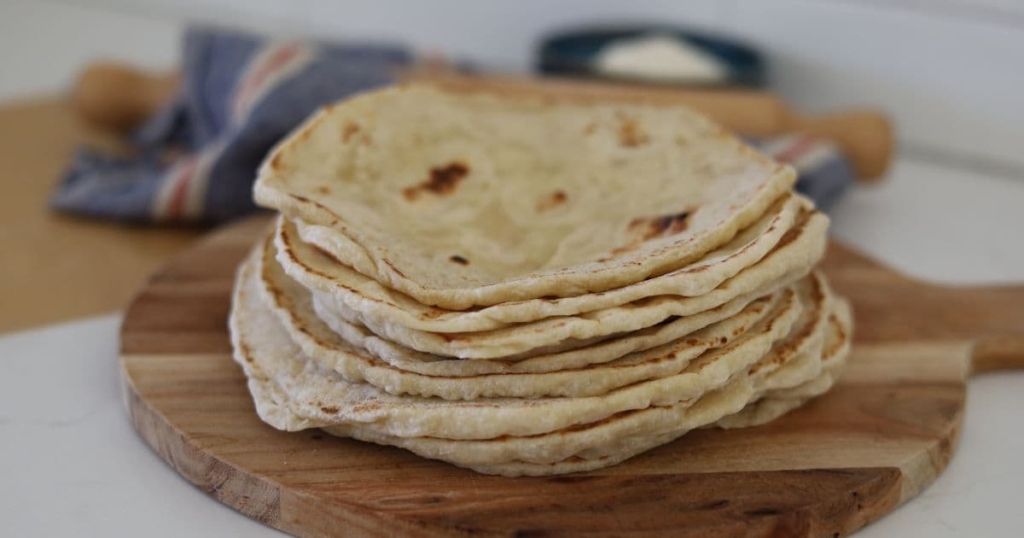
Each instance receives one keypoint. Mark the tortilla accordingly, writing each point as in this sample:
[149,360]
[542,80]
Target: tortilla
[360,356]
[323,261]
[321,397]
[504,196]
[795,255]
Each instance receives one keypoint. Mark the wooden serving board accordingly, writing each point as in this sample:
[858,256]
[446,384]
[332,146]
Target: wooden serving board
[881,436]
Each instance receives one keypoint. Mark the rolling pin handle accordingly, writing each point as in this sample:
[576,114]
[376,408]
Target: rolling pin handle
[864,136]
[119,97]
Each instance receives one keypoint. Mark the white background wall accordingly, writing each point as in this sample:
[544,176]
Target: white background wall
[951,72]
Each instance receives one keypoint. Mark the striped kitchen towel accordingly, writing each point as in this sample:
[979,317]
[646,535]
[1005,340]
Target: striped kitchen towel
[823,173]
[195,161]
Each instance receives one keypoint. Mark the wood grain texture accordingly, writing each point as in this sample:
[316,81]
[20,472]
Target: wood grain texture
[882,435]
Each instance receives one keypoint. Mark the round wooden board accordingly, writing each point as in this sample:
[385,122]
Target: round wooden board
[881,436]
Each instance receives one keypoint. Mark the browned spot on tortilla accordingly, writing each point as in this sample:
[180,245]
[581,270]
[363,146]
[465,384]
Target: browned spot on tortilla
[607,420]
[782,353]
[645,228]
[277,296]
[289,251]
[554,199]
[699,366]
[650,227]
[459,259]
[682,141]
[442,181]
[275,161]
[630,133]
[434,313]
[365,407]
[393,268]
[666,321]
[582,427]
[331,410]
[833,321]
[246,352]
[323,189]
[590,129]
[322,207]
[672,224]
[792,234]
[350,130]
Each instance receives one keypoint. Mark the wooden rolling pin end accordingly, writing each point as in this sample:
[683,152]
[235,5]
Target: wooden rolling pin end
[864,136]
[117,97]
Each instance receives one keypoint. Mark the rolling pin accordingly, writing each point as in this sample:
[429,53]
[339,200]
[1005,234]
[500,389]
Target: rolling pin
[118,97]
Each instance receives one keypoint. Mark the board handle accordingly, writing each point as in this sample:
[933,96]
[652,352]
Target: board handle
[997,316]
[998,353]
[990,319]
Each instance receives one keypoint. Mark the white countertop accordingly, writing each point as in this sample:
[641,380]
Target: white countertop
[72,464]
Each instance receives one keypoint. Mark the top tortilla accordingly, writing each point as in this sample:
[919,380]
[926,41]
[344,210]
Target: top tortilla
[463,199]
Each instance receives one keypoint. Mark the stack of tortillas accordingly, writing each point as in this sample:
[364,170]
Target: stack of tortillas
[529,284]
